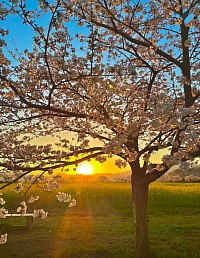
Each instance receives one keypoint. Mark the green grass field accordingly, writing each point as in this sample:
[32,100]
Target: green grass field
[101,225]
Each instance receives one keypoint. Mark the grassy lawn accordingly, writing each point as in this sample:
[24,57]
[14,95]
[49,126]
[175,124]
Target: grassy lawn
[101,225]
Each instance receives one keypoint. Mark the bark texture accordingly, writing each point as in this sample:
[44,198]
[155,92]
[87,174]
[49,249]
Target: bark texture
[140,197]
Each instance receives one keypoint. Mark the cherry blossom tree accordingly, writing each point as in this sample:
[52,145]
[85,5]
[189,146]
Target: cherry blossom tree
[127,75]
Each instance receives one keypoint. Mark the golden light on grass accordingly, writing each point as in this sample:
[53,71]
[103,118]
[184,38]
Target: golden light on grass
[85,168]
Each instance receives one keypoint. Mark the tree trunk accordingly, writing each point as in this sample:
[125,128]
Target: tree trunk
[140,197]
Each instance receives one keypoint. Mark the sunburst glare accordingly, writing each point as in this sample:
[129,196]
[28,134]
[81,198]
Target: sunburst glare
[85,168]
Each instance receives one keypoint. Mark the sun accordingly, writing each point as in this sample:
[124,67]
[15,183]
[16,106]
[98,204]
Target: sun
[85,168]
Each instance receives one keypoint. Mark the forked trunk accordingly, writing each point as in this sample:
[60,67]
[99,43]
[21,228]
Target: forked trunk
[140,197]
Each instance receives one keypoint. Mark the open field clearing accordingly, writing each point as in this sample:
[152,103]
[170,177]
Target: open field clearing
[101,225]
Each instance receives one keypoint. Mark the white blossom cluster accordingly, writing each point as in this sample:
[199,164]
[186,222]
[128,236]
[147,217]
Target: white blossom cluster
[72,203]
[177,159]
[2,202]
[3,212]
[33,199]
[50,185]
[132,156]
[184,165]
[40,214]
[116,146]
[3,238]
[101,158]
[113,147]
[63,197]
[169,160]
[19,187]
[120,163]
[22,209]
[7,176]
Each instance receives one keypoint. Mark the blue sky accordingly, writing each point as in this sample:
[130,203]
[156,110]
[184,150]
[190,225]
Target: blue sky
[21,35]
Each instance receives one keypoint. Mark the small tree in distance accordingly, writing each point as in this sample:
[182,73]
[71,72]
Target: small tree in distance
[130,81]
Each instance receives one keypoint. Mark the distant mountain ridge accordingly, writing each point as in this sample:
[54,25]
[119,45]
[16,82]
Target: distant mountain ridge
[96,176]
[173,174]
